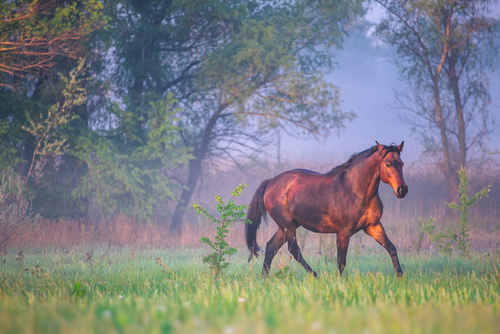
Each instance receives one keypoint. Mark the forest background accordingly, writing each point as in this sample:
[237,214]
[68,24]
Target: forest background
[116,116]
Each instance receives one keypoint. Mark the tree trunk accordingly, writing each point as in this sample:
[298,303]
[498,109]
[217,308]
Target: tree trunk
[194,172]
[447,166]
[187,192]
[453,77]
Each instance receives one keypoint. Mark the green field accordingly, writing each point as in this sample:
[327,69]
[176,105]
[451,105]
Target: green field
[126,290]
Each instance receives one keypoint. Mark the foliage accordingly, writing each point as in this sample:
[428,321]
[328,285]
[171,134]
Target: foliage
[130,179]
[78,290]
[464,202]
[35,35]
[9,136]
[230,213]
[15,212]
[446,238]
[50,143]
[46,62]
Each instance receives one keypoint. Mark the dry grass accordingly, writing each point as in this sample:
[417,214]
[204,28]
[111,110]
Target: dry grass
[426,198]
[125,231]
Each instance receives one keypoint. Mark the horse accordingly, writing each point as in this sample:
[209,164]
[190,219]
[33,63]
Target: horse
[344,201]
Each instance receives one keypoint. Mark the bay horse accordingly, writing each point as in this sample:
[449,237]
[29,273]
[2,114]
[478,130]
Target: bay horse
[344,201]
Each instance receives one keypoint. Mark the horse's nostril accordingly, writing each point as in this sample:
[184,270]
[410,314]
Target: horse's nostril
[402,190]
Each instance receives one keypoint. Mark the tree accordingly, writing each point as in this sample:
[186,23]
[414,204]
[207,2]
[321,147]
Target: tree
[156,47]
[131,179]
[444,49]
[238,69]
[266,73]
[49,145]
[36,34]
[43,107]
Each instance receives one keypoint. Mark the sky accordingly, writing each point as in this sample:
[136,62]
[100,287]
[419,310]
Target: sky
[367,79]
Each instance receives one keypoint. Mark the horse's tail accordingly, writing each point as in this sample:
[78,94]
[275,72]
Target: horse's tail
[256,210]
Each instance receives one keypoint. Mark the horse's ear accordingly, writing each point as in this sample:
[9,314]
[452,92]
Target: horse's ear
[379,146]
[400,147]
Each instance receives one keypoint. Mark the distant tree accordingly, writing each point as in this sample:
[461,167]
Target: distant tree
[445,50]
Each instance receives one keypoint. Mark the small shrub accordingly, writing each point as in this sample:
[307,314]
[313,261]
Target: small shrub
[78,290]
[229,214]
[446,238]
[443,240]
[283,272]
[464,202]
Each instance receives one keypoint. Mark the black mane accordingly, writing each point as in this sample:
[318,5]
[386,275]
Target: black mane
[368,152]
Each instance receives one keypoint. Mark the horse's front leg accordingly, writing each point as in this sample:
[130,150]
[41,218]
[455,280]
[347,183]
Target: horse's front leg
[377,232]
[342,245]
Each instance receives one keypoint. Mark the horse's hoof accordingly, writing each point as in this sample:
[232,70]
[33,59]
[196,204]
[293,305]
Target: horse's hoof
[399,274]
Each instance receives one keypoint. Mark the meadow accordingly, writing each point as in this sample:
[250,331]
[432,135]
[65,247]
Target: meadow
[154,290]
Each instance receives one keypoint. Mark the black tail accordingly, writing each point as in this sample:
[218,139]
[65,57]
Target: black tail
[256,210]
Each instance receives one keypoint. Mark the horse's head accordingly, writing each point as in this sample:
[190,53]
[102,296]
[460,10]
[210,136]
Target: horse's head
[391,168]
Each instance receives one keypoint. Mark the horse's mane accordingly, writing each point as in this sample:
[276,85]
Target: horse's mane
[366,153]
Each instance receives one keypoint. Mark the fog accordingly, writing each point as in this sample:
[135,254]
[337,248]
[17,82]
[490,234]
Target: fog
[367,78]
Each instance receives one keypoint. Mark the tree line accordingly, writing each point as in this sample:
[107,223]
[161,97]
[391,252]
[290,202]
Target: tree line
[119,105]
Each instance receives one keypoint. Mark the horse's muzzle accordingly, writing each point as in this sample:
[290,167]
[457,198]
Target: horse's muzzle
[402,191]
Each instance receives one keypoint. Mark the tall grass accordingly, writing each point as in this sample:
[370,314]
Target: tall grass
[128,290]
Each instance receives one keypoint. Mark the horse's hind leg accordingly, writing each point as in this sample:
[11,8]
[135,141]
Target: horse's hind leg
[293,247]
[272,247]
[377,232]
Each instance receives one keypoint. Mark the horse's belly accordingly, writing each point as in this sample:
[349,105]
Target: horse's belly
[322,225]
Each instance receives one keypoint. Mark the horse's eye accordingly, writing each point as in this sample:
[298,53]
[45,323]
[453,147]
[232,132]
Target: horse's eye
[387,164]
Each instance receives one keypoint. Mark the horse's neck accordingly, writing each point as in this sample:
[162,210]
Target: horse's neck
[365,176]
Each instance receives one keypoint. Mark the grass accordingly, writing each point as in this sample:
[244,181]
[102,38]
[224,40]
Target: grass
[128,290]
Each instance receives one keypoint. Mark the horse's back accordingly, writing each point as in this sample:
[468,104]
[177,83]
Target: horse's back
[296,177]
[303,171]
